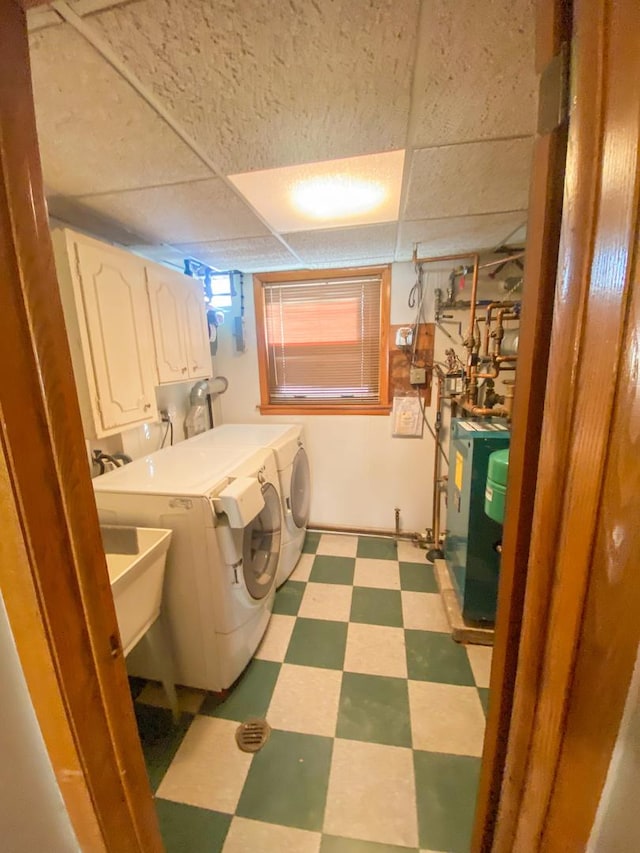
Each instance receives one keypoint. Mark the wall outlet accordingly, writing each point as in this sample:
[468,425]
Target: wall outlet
[417,376]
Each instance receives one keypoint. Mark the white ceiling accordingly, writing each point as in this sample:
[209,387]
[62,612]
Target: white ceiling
[145,108]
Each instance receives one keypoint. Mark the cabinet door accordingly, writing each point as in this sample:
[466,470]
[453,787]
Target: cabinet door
[166,298]
[119,335]
[196,331]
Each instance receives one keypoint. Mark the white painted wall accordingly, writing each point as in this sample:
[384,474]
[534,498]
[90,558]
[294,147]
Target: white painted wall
[616,828]
[359,472]
[32,814]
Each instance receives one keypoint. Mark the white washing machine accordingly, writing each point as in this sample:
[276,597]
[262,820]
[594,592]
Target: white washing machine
[287,443]
[224,508]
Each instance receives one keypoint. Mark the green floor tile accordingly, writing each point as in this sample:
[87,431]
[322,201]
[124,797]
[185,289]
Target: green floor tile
[187,829]
[160,738]
[327,569]
[316,642]
[288,598]
[333,844]
[375,709]
[287,782]
[446,789]
[437,657]
[376,606]
[311,542]
[249,697]
[377,548]
[484,698]
[418,577]
[136,685]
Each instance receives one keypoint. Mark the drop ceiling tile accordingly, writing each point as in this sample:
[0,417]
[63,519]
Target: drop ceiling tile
[460,180]
[181,213]
[41,17]
[475,74]
[257,254]
[288,81]
[96,133]
[457,234]
[349,244]
[71,213]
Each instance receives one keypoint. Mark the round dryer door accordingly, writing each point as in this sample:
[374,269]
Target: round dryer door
[300,489]
[261,545]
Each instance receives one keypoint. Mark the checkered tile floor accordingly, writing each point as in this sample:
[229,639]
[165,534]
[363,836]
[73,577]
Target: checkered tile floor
[377,720]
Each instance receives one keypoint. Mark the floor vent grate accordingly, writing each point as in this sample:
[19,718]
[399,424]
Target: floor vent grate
[252,735]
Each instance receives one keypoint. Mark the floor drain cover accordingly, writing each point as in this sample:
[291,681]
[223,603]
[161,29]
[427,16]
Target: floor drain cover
[252,735]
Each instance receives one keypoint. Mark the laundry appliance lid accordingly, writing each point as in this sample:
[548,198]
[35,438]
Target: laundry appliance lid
[259,435]
[177,470]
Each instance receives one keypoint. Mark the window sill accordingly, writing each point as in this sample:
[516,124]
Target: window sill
[300,409]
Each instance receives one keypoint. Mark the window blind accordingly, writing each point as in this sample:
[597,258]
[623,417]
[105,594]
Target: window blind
[323,340]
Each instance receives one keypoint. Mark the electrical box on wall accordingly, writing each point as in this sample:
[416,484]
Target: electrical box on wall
[404,336]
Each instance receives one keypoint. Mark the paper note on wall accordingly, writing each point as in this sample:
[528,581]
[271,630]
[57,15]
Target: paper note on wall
[407,417]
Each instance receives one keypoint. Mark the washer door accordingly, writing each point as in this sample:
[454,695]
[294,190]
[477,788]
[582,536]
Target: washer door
[261,545]
[300,495]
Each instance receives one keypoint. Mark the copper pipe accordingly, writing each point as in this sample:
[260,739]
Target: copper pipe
[480,411]
[435,514]
[503,261]
[498,333]
[504,304]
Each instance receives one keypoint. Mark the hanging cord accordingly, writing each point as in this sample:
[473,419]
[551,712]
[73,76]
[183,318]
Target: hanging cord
[169,427]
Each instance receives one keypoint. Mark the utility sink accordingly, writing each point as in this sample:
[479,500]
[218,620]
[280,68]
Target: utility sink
[136,578]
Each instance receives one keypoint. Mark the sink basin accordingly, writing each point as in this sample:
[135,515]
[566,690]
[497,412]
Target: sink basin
[136,584]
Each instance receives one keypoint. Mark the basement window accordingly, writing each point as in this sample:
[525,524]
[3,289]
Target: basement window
[323,341]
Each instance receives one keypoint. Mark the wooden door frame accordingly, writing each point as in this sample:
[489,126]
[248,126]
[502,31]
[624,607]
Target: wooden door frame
[53,573]
[553,30]
[550,735]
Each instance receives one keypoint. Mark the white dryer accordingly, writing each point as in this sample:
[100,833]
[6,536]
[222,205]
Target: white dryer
[224,508]
[287,443]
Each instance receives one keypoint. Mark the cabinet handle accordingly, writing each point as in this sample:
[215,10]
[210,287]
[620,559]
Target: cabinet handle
[147,406]
[184,369]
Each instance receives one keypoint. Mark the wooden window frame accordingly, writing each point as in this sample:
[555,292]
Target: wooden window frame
[383,407]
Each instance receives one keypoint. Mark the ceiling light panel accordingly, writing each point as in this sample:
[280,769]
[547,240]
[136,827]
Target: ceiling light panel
[334,193]
[277,81]
[457,234]
[181,213]
[477,177]
[96,134]
[475,72]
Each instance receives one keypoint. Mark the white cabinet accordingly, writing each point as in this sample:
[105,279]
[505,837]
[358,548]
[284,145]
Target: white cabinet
[104,297]
[179,326]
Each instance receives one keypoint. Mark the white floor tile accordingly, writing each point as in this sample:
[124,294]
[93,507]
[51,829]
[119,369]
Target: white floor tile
[253,835]
[372,794]
[305,699]
[276,638]
[480,660]
[378,574]
[330,601]
[337,545]
[303,568]
[375,650]
[446,718]
[410,553]
[423,611]
[208,770]
[189,699]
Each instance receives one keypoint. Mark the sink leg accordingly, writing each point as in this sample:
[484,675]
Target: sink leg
[160,650]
